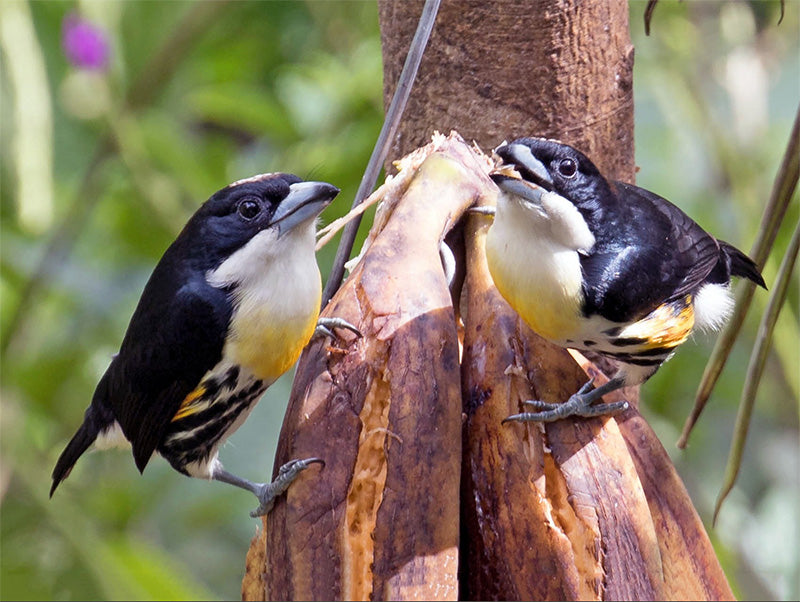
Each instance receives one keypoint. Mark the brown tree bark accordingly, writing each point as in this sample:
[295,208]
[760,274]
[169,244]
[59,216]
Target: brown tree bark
[496,71]
[421,496]
[573,510]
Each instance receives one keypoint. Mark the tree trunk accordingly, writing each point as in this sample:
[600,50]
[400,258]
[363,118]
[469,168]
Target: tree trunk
[496,71]
[425,493]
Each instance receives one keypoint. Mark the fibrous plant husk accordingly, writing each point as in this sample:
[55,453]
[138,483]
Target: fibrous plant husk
[425,493]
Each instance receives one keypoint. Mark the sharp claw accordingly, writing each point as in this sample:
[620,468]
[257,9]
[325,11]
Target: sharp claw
[587,386]
[323,331]
[326,326]
[286,476]
[263,509]
[523,417]
[581,404]
[297,466]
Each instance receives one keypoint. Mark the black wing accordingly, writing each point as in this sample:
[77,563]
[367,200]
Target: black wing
[656,253]
[176,335]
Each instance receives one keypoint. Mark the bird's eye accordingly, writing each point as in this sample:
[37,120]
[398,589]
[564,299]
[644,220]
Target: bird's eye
[567,168]
[248,209]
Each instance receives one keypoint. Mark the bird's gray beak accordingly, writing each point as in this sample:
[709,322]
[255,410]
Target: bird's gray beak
[529,167]
[521,188]
[306,201]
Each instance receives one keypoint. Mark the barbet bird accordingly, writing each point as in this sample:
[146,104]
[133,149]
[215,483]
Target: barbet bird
[602,266]
[226,311]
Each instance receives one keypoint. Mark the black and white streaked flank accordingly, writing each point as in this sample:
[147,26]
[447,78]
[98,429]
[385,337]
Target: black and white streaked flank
[227,310]
[603,266]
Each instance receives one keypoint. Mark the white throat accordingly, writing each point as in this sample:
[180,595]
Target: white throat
[533,256]
[276,299]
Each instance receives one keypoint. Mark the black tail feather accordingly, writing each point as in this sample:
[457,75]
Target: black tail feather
[96,419]
[742,265]
[79,443]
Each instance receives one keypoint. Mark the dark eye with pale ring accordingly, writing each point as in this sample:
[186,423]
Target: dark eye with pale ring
[568,168]
[248,208]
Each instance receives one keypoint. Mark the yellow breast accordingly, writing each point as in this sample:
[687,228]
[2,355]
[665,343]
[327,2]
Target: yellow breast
[267,336]
[538,276]
[552,311]
[276,292]
[268,346]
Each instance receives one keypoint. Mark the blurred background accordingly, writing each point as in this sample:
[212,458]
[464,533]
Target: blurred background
[119,118]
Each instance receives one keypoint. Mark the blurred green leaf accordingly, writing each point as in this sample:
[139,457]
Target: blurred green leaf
[203,93]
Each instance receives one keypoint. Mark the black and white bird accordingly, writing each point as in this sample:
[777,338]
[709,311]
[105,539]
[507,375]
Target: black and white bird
[602,266]
[227,310]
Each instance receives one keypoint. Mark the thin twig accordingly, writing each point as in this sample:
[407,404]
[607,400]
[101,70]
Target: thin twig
[756,368]
[774,212]
[388,131]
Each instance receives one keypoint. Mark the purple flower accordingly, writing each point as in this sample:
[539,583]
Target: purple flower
[84,44]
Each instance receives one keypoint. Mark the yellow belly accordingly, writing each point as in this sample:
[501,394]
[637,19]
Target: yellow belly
[267,344]
[260,345]
[554,317]
[547,297]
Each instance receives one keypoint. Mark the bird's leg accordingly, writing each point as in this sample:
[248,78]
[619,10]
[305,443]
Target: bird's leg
[267,492]
[326,328]
[580,404]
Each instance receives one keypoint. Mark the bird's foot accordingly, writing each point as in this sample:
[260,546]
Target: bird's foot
[326,327]
[580,404]
[268,492]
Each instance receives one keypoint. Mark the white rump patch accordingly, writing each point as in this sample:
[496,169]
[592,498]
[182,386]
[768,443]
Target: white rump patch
[713,305]
[111,437]
[204,469]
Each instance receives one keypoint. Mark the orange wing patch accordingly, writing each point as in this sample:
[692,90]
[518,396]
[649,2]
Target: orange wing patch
[667,326]
[190,404]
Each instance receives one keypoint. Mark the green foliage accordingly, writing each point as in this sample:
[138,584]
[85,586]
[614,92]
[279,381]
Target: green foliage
[245,88]
[199,94]
[717,90]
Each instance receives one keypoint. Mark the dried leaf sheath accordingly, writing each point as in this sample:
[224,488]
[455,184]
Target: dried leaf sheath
[578,509]
[381,519]
[689,565]
[587,509]
[512,546]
